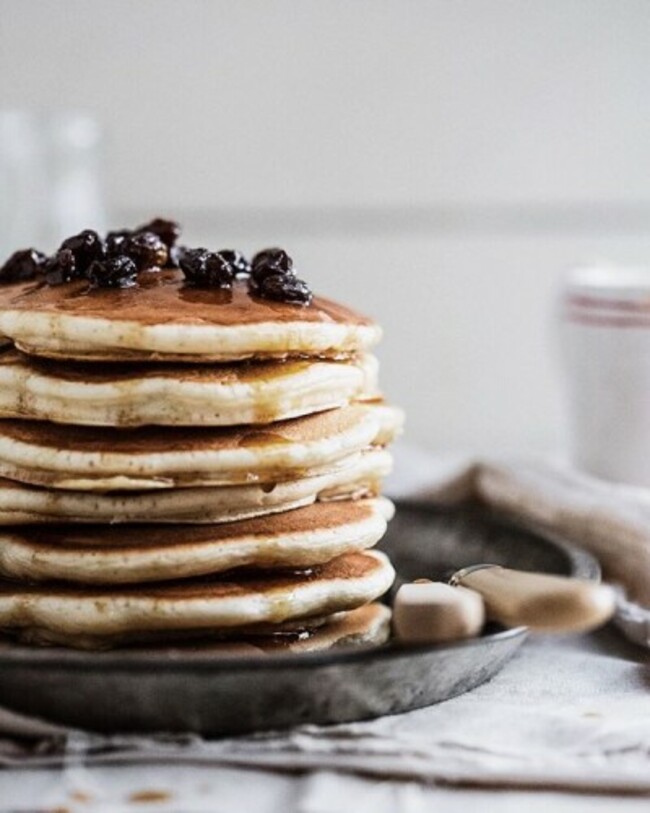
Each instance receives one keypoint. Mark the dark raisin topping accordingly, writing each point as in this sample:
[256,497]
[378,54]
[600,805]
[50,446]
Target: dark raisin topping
[60,268]
[277,257]
[114,272]
[146,250]
[117,261]
[237,260]
[192,262]
[285,288]
[115,241]
[206,269]
[273,277]
[220,272]
[22,266]
[87,246]
[269,263]
[168,230]
[263,271]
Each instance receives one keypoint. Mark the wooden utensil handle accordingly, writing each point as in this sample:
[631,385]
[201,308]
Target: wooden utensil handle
[540,601]
[426,612]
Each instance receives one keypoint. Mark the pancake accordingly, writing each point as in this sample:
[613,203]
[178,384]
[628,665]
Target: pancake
[213,604]
[364,627]
[108,459]
[362,477]
[162,318]
[105,554]
[137,395]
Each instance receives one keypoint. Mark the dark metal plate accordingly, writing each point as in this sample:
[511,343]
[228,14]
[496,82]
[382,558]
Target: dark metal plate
[165,691]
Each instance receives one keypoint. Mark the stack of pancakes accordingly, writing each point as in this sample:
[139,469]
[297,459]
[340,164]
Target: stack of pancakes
[181,464]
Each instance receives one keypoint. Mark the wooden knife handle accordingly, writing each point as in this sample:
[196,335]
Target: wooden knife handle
[540,601]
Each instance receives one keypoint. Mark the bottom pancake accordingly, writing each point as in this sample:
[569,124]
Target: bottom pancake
[46,612]
[368,625]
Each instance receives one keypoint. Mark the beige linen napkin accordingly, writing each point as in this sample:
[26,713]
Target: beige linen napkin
[582,724]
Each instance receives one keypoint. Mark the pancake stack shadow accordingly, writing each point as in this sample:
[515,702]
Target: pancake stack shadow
[230,505]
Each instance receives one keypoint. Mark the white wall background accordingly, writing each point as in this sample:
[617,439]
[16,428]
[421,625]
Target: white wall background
[438,163]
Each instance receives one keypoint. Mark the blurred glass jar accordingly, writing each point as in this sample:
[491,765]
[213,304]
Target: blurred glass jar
[606,348]
[51,179]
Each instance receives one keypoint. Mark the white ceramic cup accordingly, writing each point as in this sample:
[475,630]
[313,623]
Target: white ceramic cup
[606,347]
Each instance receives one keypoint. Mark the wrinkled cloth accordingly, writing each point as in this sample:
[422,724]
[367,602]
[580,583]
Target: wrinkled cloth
[561,715]
[569,713]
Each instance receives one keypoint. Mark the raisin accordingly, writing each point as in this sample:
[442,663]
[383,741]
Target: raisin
[115,241]
[221,272]
[269,263]
[277,257]
[240,264]
[167,230]
[114,272]
[146,250]
[60,268]
[263,271]
[284,288]
[192,262]
[87,246]
[206,269]
[22,266]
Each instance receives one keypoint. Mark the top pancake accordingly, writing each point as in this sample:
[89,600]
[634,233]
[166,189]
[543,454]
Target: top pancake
[164,319]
